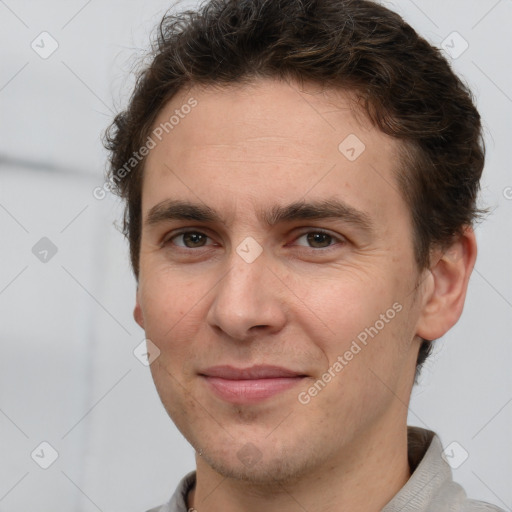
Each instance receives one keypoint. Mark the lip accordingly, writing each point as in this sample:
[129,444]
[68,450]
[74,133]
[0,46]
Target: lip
[254,372]
[250,385]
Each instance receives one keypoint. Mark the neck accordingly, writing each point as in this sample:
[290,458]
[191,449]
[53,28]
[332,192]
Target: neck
[365,477]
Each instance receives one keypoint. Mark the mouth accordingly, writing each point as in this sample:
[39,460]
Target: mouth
[250,385]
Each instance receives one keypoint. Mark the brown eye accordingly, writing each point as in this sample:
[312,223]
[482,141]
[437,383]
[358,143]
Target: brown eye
[319,239]
[190,239]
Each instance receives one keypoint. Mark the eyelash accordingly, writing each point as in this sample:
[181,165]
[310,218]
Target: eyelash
[334,239]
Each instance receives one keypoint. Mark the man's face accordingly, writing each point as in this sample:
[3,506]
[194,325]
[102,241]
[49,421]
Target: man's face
[267,285]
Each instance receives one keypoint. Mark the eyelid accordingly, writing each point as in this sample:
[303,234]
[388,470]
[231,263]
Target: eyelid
[340,239]
[335,237]
[177,232]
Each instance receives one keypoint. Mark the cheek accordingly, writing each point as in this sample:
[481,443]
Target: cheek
[171,294]
[348,306]
[169,306]
[366,325]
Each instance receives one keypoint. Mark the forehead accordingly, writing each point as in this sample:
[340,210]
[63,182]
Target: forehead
[266,112]
[269,141]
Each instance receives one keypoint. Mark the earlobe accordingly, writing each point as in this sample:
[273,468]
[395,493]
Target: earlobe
[137,311]
[449,278]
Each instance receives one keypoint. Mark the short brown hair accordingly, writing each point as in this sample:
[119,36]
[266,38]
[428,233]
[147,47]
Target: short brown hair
[405,86]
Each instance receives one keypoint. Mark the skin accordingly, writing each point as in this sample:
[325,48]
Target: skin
[300,304]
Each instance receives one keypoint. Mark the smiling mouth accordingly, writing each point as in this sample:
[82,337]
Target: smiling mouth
[250,385]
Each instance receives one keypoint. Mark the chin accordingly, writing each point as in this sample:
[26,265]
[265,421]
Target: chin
[266,467]
[264,474]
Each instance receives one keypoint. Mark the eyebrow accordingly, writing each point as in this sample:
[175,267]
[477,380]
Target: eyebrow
[172,209]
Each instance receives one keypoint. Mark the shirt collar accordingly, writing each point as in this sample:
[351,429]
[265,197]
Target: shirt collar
[429,489]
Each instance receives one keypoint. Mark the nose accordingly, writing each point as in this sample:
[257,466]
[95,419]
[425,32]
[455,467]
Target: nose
[248,301]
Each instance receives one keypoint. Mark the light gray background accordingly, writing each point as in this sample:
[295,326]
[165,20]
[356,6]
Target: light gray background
[67,372]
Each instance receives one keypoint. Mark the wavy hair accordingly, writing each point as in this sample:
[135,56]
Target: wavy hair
[405,86]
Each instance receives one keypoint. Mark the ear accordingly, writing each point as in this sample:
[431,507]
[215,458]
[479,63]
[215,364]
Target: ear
[445,291]
[137,311]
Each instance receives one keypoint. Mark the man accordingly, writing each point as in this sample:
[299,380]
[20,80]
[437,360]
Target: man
[300,181]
